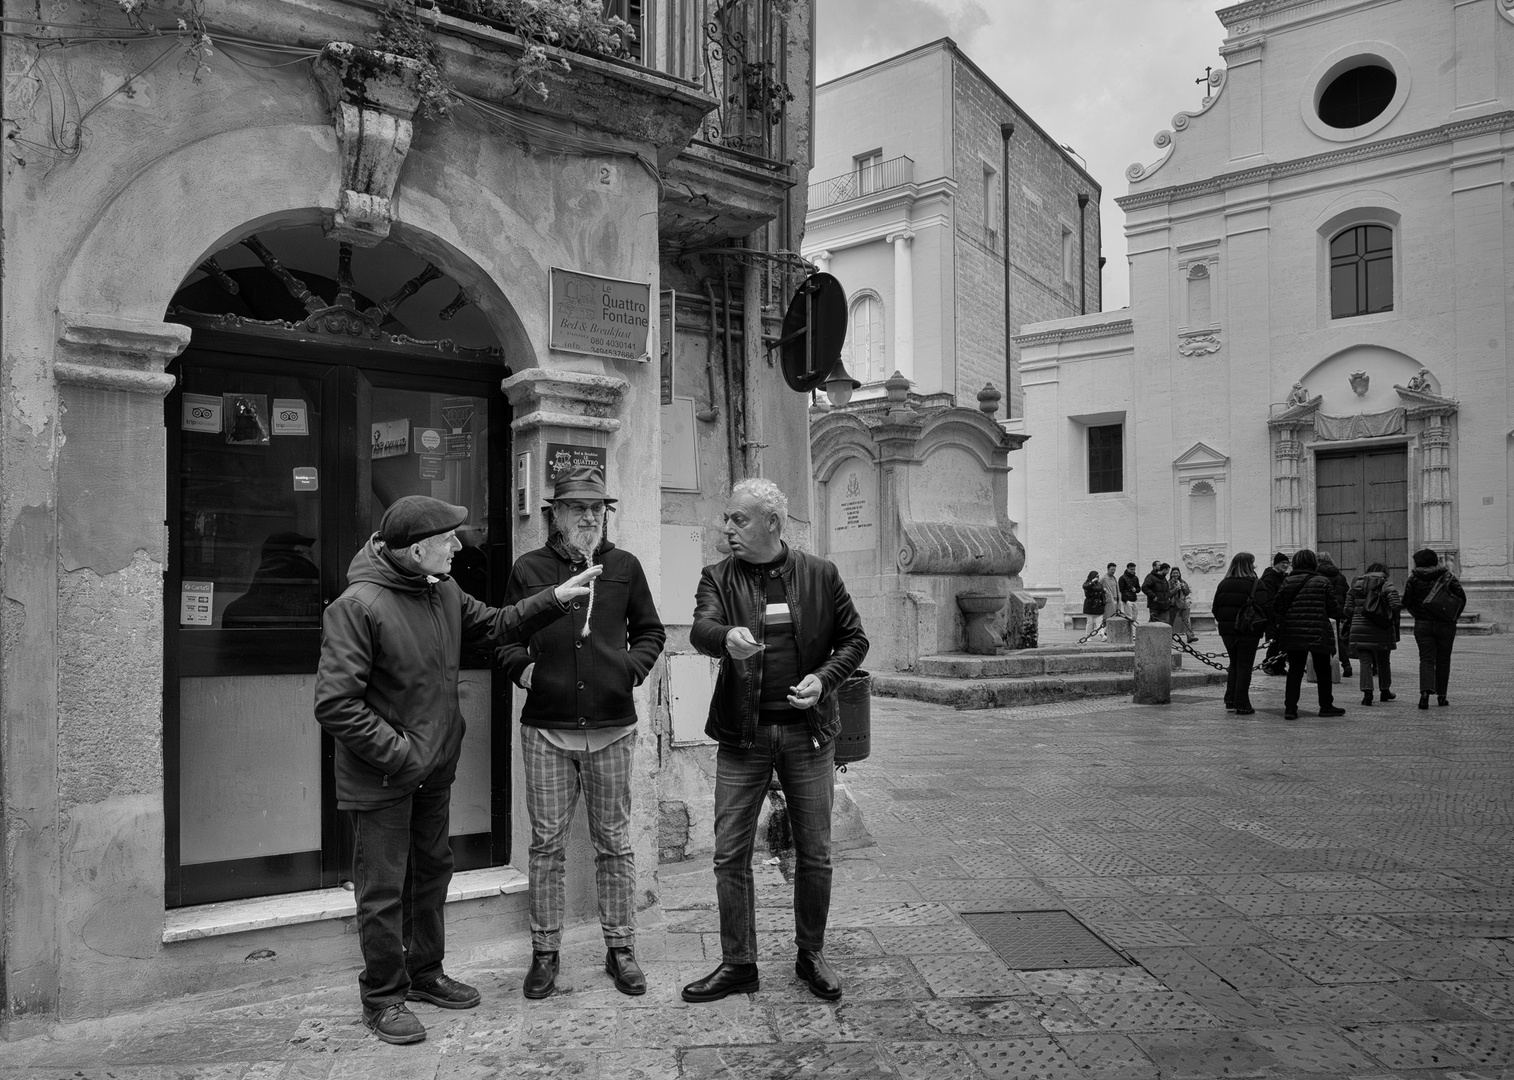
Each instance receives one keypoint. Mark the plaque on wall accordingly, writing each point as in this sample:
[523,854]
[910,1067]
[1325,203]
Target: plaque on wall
[599,316]
[852,495]
[561,456]
[680,446]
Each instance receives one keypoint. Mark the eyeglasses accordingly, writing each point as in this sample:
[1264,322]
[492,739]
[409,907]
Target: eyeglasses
[582,509]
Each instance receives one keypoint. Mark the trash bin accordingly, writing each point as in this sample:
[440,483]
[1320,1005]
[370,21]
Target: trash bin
[855,704]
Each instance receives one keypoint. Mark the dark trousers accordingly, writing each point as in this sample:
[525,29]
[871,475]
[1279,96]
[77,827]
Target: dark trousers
[1434,640]
[1242,653]
[741,784]
[1374,659]
[1295,682]
[1161,614]
[401,867]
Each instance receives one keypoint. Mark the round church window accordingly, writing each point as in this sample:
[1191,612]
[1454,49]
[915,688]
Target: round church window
[1357,96]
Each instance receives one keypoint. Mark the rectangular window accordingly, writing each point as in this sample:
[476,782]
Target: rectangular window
[867,169]
[1106,458]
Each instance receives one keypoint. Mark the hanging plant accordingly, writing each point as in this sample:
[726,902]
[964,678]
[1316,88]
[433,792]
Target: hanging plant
[405,31]
[762,92]
[574,25]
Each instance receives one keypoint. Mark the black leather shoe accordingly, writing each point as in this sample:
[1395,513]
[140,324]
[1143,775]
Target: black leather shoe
[724,981]
[394,1024]
[1290,714]
[1331,710]
[541,980]
[1424,701]
[444,991]
[621,965]
[817,973]
[1367,698]
[1442,700]
[1387,695]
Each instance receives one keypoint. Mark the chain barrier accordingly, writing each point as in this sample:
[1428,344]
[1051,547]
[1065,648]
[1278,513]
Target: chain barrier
[1210,658]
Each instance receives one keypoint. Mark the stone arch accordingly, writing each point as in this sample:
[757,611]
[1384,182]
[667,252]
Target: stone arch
[287,175]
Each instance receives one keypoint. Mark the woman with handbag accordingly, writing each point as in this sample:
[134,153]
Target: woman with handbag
[1180,596]
[1093,605]
[1306,613]
[1435,598]
[1240,622]
[1370,628]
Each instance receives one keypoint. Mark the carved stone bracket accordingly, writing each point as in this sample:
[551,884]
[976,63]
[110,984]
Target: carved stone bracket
[543,397]
[108,353]
[372,96]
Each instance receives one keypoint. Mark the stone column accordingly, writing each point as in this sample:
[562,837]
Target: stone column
[904,304]
[1287,501]
[1435,483]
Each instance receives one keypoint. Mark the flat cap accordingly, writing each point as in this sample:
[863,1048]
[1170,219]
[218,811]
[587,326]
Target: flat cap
[414,517]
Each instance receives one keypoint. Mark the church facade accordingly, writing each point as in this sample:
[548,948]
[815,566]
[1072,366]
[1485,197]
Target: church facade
[1316,349]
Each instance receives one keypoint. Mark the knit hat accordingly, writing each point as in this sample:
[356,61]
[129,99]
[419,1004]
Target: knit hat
[1425,557]
[413,518]
[1278,556]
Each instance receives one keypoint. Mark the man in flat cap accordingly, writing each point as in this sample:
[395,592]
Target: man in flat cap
[386,690]
[578,726]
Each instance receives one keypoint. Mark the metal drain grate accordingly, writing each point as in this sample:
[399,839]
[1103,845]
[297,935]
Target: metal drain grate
[1038,940]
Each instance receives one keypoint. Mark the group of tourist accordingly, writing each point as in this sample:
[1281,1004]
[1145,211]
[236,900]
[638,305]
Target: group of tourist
[1308,612]
[578,632]
[1169,599]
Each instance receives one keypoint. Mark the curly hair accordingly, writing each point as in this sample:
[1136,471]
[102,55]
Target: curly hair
[769,496]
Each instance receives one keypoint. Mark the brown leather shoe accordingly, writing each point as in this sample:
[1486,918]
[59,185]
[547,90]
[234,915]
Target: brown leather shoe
[817,973]
[541,980]
[724,981]
[394,1024]
[621,965]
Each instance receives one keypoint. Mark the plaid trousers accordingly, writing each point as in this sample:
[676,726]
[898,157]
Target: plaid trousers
[554,778]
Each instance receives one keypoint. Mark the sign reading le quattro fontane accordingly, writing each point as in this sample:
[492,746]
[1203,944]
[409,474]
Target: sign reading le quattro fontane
[599,316]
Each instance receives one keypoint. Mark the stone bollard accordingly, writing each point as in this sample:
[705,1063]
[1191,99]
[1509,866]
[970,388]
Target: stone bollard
[1121,630]
[1153,664]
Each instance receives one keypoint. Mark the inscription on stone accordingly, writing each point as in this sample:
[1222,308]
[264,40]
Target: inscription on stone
[853,497]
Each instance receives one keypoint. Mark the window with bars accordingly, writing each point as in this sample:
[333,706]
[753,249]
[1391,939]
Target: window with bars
[1106,458]
[1361,271]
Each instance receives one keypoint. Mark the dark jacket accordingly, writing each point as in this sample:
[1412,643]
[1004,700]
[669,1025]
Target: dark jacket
[1361,631]
[584,682]
[1305,606]
[827,632]
[1155,588]
[1230,597]
[1130,585]
[1338,583]
[1421,579]
[386,688]
[1265,591]
[1093,597]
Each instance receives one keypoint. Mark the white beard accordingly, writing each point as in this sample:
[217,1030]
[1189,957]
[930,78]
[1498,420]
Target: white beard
[585,541]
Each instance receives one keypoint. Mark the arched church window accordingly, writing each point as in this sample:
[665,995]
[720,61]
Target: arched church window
[867,361]
[1361,271]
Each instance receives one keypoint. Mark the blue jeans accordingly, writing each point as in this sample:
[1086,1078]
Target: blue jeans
[741,783]
[401,867]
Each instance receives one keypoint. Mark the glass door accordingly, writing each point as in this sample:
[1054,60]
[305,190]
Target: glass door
[279,470]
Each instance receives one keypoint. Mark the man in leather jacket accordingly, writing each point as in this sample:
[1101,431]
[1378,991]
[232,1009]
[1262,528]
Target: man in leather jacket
[386,691]
[788,636]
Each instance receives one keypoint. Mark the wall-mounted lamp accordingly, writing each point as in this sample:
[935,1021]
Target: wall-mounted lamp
[839,384]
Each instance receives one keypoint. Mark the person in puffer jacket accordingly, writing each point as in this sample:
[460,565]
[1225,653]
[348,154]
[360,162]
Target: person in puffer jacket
[386,691]
[1305,610]
[1341,585]
[1371,628]
[1433,633]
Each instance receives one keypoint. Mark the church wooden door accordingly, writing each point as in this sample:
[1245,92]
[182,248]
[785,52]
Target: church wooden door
[1361,509]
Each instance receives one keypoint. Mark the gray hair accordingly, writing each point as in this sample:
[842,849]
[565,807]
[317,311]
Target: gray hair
[769,496]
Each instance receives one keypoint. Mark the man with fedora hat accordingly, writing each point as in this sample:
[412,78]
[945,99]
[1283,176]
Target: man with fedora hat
[578,726]
[386,690]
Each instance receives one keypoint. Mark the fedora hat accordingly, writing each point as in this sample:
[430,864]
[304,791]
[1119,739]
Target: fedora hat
[585,482]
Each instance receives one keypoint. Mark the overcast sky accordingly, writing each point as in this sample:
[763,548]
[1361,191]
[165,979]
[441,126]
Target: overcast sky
[1101,76]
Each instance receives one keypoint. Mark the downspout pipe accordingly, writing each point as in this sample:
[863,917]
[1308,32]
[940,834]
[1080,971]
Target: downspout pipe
[1082,252]
[1006,131]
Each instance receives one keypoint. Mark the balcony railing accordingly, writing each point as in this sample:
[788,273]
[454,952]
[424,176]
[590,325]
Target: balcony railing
[734,49]
[863,180]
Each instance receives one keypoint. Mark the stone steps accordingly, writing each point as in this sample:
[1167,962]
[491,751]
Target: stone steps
[1029,677]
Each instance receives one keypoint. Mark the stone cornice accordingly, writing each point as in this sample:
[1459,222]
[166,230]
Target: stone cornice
[108,353]
[1076,333]
[546,397]
[1446,133]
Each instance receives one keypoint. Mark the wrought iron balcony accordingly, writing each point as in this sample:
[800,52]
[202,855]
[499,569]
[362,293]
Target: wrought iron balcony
[863,180]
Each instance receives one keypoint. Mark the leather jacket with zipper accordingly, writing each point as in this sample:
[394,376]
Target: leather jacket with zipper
[828,637]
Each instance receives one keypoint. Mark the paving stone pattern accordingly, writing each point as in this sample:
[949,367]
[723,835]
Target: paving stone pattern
[1319,898]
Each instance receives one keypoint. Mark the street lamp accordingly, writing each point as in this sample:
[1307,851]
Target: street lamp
[839,384]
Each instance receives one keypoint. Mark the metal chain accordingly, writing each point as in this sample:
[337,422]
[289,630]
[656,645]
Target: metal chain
[1207,658]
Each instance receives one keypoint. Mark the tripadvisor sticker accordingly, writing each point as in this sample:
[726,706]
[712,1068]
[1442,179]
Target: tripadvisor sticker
[428,440]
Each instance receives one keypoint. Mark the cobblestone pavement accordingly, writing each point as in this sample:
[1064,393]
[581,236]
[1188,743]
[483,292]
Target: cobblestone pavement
[1321,898]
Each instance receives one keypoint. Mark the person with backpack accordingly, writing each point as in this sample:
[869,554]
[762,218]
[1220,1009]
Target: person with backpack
[1265,594]
[1435,598]
[1240,623]
[1371,628]
[1305,613]
[1093,605]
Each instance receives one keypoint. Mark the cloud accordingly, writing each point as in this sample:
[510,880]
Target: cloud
[856,33]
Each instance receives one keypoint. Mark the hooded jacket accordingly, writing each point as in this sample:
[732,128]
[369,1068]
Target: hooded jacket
[827,633]
[1130,585]
[1421,580]
[1361,631]
[1338,583]
[1155,588]
[584,682]
[386,688]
